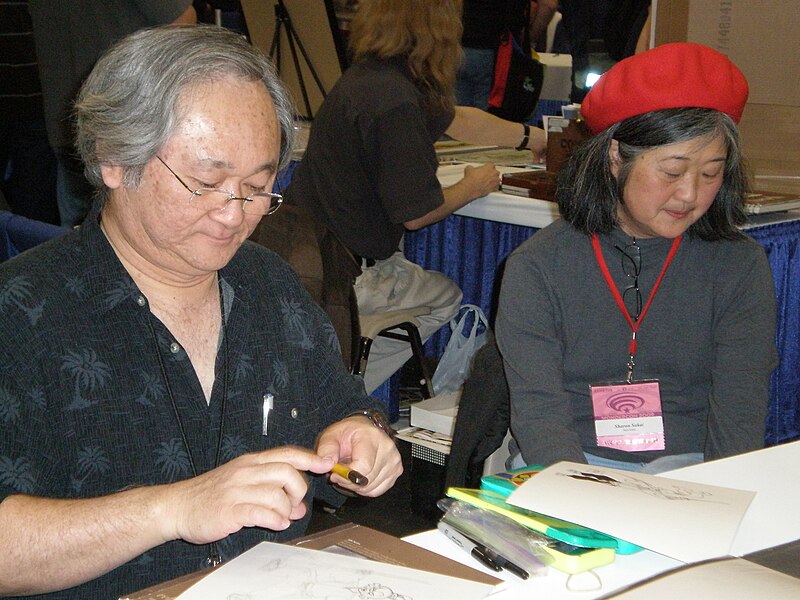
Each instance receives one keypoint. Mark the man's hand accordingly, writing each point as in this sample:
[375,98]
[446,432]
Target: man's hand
[360,445]
[263,489]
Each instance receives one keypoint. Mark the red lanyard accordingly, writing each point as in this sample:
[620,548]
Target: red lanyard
[601,261]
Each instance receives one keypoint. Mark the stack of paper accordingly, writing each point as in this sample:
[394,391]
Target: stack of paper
[437,414]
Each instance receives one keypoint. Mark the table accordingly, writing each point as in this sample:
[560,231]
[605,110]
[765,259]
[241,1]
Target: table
[471,245]
[771,520]
[557,585]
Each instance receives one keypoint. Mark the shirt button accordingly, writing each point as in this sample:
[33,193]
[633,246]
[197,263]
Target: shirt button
[294,412]
[140,300]
[174,347]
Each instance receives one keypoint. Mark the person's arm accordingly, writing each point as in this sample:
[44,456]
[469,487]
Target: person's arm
[53,544]
[163,12]
[530,339]
[476,126]
[476,183]
[188,17]
[744,358]
[542,12]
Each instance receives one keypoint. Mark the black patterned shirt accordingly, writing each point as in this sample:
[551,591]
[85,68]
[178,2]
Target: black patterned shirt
[87,371]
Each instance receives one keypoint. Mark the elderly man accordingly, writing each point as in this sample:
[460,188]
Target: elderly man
[169,394]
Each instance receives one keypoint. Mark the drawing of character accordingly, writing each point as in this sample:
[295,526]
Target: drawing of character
[379,591]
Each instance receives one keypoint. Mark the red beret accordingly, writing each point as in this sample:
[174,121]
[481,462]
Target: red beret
[674,75]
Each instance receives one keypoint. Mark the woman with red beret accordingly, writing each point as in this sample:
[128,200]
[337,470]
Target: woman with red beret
[638,331]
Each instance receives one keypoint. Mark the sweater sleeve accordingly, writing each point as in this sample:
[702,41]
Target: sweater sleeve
[528,334]
[745,356]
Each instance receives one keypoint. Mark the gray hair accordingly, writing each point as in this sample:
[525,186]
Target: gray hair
[588,193]
[130,104]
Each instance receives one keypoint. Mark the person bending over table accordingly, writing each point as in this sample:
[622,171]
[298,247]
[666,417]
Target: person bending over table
[170,395]
[638,332]
[369,171]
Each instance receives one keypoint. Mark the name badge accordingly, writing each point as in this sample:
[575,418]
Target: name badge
[627,416]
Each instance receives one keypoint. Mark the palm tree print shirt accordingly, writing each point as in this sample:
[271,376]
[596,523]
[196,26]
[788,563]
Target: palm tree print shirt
[84,408]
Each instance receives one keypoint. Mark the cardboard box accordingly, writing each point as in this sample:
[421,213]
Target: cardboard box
[761,39]
[437,414]
[317,43]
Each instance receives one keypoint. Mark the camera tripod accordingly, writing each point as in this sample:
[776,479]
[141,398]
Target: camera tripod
[284,21]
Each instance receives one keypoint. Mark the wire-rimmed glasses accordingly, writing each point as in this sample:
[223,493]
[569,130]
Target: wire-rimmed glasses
[632,266]
[260,203]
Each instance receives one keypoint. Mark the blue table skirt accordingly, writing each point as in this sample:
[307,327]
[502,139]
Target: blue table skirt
[471,252]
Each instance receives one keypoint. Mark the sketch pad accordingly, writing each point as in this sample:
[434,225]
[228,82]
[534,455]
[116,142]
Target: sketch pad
[680,519]
[271,571]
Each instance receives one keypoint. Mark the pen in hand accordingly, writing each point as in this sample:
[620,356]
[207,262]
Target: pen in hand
[349,474]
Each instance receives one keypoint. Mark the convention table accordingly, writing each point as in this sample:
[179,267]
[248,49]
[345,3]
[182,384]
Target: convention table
[771,520]
[471,246]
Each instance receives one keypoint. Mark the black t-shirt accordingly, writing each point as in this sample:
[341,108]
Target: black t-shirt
[370,164]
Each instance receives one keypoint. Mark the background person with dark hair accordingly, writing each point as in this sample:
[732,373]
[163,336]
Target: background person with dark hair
[27,163]
[70,37]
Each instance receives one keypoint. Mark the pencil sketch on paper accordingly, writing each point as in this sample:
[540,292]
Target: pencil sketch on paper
[271,571]
[666,491]
[304,581]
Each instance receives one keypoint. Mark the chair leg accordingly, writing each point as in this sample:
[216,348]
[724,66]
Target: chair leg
[411,335]
[425,386]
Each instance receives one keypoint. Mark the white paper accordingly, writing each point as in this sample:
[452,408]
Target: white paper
[683,520]
[272,571]
[774,474]
[731,579]
[437,414]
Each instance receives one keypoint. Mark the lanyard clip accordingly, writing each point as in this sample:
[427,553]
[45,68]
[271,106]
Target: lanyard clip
[631,365]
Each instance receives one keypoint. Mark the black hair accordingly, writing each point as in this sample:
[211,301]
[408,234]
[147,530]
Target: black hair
[588,193]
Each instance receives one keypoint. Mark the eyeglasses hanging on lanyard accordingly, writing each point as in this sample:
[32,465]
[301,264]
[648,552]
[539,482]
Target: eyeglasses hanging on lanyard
[632,267]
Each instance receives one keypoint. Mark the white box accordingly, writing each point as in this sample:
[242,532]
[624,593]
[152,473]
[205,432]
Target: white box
[437,414]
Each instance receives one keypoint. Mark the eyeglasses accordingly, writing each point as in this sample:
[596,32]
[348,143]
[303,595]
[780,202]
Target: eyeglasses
[632,266]
[260,203]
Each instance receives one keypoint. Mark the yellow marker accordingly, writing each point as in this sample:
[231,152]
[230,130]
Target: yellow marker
[348,473]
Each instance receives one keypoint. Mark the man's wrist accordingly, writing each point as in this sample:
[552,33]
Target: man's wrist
[378,419]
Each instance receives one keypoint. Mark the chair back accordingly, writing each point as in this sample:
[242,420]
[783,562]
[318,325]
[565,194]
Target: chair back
[18,234]
[483,419]
[325,266]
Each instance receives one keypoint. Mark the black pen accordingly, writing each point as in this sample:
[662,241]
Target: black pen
[488,556]
[509,566]
[480,552]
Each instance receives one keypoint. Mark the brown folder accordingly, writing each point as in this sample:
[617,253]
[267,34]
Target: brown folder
[361,541]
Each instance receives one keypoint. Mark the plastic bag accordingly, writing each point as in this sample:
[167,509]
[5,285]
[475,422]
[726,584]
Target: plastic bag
[454,366]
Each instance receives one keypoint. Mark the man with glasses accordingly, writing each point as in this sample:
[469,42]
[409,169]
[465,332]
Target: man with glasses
[169,394]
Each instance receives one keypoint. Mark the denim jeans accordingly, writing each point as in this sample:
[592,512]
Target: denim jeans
[475,78]
[659,465]
[28,169]
[75,193]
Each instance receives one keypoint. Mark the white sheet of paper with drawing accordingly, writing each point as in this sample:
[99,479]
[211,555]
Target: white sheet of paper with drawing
[276,571]
[683,520]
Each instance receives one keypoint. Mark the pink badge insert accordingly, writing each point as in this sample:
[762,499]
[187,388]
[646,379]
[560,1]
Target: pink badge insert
[628,416]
